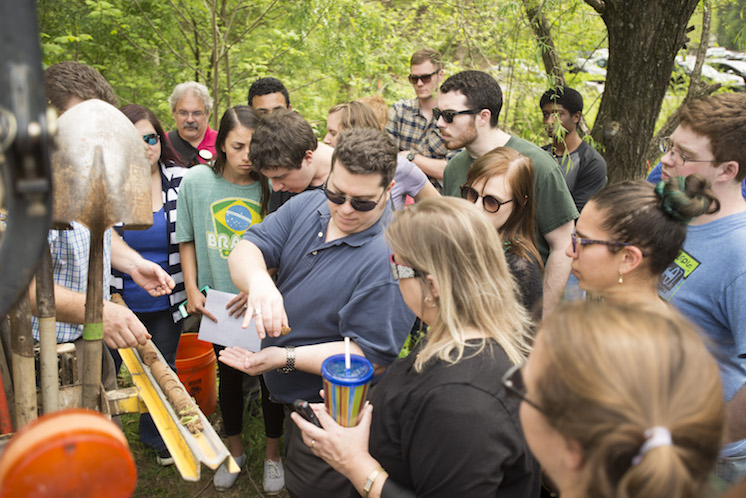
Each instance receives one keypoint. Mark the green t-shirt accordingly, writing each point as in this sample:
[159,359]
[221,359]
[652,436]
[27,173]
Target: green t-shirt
[215,213]
[554,204]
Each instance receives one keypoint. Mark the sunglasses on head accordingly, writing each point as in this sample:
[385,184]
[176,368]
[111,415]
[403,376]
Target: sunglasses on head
[399,270]
[449,115]
[151,138]
[425,78]
[491,204]
[357,204]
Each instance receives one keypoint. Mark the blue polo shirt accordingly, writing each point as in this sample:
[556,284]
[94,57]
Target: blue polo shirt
[331,290]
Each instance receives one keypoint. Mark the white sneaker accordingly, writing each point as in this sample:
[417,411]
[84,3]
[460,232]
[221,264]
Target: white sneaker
[274,477]
[223,479]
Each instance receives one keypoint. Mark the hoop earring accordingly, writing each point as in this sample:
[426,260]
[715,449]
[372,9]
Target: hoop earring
[429,299]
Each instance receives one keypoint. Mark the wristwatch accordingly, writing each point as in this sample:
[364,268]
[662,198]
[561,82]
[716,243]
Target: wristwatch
[289,362]
[410,156]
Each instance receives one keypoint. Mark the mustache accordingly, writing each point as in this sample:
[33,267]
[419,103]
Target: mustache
[191,125]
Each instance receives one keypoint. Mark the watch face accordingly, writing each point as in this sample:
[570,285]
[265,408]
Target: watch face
[410,156]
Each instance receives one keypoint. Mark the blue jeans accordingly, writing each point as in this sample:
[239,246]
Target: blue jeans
[731,469]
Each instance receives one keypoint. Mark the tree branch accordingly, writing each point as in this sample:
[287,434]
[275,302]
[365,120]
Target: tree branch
[163,39]
[539,25]
[300,39]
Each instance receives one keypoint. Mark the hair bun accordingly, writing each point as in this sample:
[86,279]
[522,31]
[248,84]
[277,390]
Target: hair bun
[684,198]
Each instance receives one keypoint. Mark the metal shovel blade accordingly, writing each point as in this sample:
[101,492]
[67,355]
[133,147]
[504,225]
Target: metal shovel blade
[101,177]
[120,191]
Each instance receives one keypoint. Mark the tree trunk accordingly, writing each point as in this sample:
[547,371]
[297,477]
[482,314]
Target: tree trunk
[540,27]
[644,38]
[697,87]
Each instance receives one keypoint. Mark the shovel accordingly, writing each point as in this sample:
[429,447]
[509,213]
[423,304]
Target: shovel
[101,177]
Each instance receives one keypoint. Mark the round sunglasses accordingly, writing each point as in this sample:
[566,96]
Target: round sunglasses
[151,138]
[491,204]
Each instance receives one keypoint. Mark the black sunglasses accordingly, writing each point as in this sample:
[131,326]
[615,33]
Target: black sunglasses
[491,204]
[425,78]
[151,138]
[357,204]
[449,115]
[513,381]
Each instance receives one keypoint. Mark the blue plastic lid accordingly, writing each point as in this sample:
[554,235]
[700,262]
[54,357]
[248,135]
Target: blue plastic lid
[360,372]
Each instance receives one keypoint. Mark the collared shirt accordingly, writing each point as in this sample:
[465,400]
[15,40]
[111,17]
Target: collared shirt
[331,290]
[70,251]
[188,155]
[411,131]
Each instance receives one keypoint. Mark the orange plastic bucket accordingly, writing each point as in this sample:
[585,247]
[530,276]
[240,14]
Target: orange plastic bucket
[196,367]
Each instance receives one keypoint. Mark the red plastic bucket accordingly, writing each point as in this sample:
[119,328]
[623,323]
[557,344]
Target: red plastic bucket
[196,367]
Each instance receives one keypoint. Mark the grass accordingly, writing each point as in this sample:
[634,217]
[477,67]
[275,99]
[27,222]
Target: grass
[154,480]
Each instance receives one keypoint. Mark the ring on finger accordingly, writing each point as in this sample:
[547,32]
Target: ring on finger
[313,441]
[256,312]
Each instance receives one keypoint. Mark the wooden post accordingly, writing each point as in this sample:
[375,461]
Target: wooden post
[47,334]
[24,376]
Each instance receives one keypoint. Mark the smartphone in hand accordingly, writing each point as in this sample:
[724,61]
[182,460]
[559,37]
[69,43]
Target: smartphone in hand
[182,306]
[305,411]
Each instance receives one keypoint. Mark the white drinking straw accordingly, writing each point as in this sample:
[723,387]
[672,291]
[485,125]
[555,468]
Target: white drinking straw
[347,353]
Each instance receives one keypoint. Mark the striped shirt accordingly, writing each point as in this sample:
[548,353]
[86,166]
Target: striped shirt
[171,176]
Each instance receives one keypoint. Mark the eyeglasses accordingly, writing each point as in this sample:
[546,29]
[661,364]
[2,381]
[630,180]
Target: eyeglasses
[678,157]
[403,271]
[449,115]
[586,242]
[513,381]
[357,204]
[425,78]
[490,203]
[195,114]
[151,138]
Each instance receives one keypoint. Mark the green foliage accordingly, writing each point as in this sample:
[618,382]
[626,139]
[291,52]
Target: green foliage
[731,27]
[325,51]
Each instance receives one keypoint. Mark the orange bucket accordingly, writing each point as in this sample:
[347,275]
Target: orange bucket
[72,452]
[196,367]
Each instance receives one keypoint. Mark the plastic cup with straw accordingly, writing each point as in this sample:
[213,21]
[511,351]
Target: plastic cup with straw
[346,380]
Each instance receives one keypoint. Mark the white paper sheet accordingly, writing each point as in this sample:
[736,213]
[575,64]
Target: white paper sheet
[227,331]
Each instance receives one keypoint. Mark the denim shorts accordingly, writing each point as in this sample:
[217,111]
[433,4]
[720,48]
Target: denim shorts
[731,469]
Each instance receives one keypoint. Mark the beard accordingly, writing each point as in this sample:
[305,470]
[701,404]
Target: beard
[467,137]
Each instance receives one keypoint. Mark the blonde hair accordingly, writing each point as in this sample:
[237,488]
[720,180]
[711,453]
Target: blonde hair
[355,114]
[614,371]
[451,241]
[380,109]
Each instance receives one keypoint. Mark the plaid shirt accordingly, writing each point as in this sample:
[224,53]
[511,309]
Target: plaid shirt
[70,250]
[411,131]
